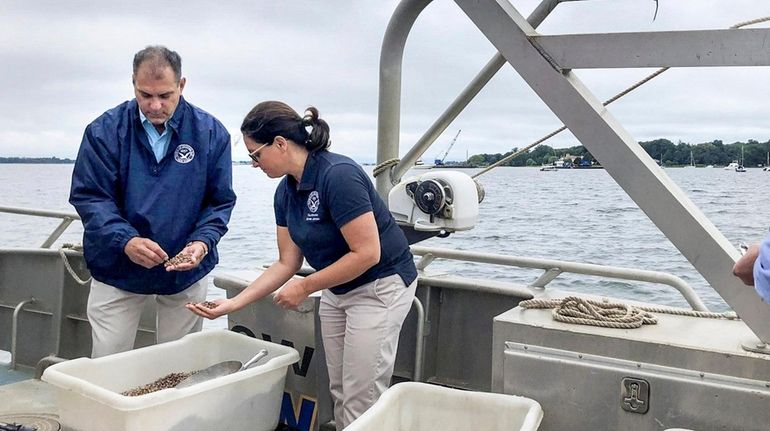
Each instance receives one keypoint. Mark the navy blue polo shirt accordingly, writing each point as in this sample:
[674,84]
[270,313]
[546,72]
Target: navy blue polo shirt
[335,190]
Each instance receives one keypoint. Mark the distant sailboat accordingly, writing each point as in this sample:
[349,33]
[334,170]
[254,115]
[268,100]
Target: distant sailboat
[740,167]
[692,163]
[767,164]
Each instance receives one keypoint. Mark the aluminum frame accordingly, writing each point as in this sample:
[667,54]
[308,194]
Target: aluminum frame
[515,38]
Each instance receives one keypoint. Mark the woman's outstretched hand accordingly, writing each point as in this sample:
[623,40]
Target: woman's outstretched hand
[212,309]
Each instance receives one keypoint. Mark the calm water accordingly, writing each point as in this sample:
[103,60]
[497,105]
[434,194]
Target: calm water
[578,215]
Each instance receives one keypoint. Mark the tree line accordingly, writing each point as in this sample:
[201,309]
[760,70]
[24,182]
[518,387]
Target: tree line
[45,160]
[665,152]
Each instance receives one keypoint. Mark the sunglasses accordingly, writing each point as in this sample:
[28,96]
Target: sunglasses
[255,154]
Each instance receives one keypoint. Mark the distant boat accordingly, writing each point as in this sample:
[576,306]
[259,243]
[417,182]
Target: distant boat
[731,167]
[692,164]
[710,166]
[549,168]
[740,167]
[419,164]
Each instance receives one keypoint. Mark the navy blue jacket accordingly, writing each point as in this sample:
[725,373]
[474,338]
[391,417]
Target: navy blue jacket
[120,191]
[335,190]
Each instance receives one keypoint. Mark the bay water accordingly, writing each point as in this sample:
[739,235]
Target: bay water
[573,215]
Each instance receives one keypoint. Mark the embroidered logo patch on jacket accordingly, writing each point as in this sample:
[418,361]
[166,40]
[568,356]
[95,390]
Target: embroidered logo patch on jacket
[184,153]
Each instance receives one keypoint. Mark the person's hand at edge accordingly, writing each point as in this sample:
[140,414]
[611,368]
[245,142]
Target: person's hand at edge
[744,267]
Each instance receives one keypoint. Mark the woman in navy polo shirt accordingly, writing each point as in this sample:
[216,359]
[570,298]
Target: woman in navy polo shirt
[328,212]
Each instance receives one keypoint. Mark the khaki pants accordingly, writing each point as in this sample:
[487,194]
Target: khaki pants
[360,332]
[114,316]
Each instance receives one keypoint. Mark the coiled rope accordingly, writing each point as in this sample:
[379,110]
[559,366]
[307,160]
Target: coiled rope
[75,247]
[582,311]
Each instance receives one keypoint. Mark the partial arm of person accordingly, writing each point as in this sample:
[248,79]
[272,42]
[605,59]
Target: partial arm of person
[363,239]
[753,268]
[94,194]
[762,270]
[744,267]
[219,202]
[289,262]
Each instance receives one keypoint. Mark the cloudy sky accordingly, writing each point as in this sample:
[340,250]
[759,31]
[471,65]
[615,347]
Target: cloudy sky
[66,62]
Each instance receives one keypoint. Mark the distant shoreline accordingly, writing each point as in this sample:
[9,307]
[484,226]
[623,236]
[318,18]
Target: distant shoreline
[57,161]
[36,160]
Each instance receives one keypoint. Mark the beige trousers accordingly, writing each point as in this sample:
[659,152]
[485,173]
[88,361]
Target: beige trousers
[114,316]
[360,332]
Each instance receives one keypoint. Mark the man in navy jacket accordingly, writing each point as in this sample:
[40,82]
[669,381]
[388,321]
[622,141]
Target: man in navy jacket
[153,178]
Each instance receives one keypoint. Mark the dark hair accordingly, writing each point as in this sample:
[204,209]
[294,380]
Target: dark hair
[159,56]
[270,119]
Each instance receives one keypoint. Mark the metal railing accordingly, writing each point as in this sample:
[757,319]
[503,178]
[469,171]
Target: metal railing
[67,219]
[554,268]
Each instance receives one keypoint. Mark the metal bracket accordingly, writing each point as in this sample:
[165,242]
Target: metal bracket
[635,395]
[755,345]
[546,278]
[15,329]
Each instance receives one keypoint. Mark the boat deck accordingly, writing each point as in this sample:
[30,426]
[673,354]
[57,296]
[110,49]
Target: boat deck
[8,376]
[26,400]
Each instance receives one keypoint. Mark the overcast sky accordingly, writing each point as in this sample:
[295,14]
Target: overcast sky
[66,62]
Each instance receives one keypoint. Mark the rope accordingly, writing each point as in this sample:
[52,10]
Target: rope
[751,22]
[582,311]
[76,247]
[610,100]
[380,168]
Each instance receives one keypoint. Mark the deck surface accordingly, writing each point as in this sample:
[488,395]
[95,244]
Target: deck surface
[21,393]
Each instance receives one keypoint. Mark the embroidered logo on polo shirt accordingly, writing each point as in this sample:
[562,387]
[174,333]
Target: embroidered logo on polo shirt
[313,203]
[184,153]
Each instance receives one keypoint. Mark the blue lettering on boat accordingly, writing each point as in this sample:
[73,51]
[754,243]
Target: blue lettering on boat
[306,409]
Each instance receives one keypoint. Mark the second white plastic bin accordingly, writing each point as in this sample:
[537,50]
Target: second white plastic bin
[413,406]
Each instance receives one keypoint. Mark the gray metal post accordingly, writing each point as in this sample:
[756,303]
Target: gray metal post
[389,110]
[388,126]
[464,98]
[419,348]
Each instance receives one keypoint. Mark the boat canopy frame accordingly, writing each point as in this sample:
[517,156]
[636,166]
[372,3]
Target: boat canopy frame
[546,63]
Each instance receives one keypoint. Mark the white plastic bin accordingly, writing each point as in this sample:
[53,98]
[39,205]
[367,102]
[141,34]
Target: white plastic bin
[413,406]
[88,390]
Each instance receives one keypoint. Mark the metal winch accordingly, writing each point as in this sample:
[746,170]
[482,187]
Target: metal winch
[439,201]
